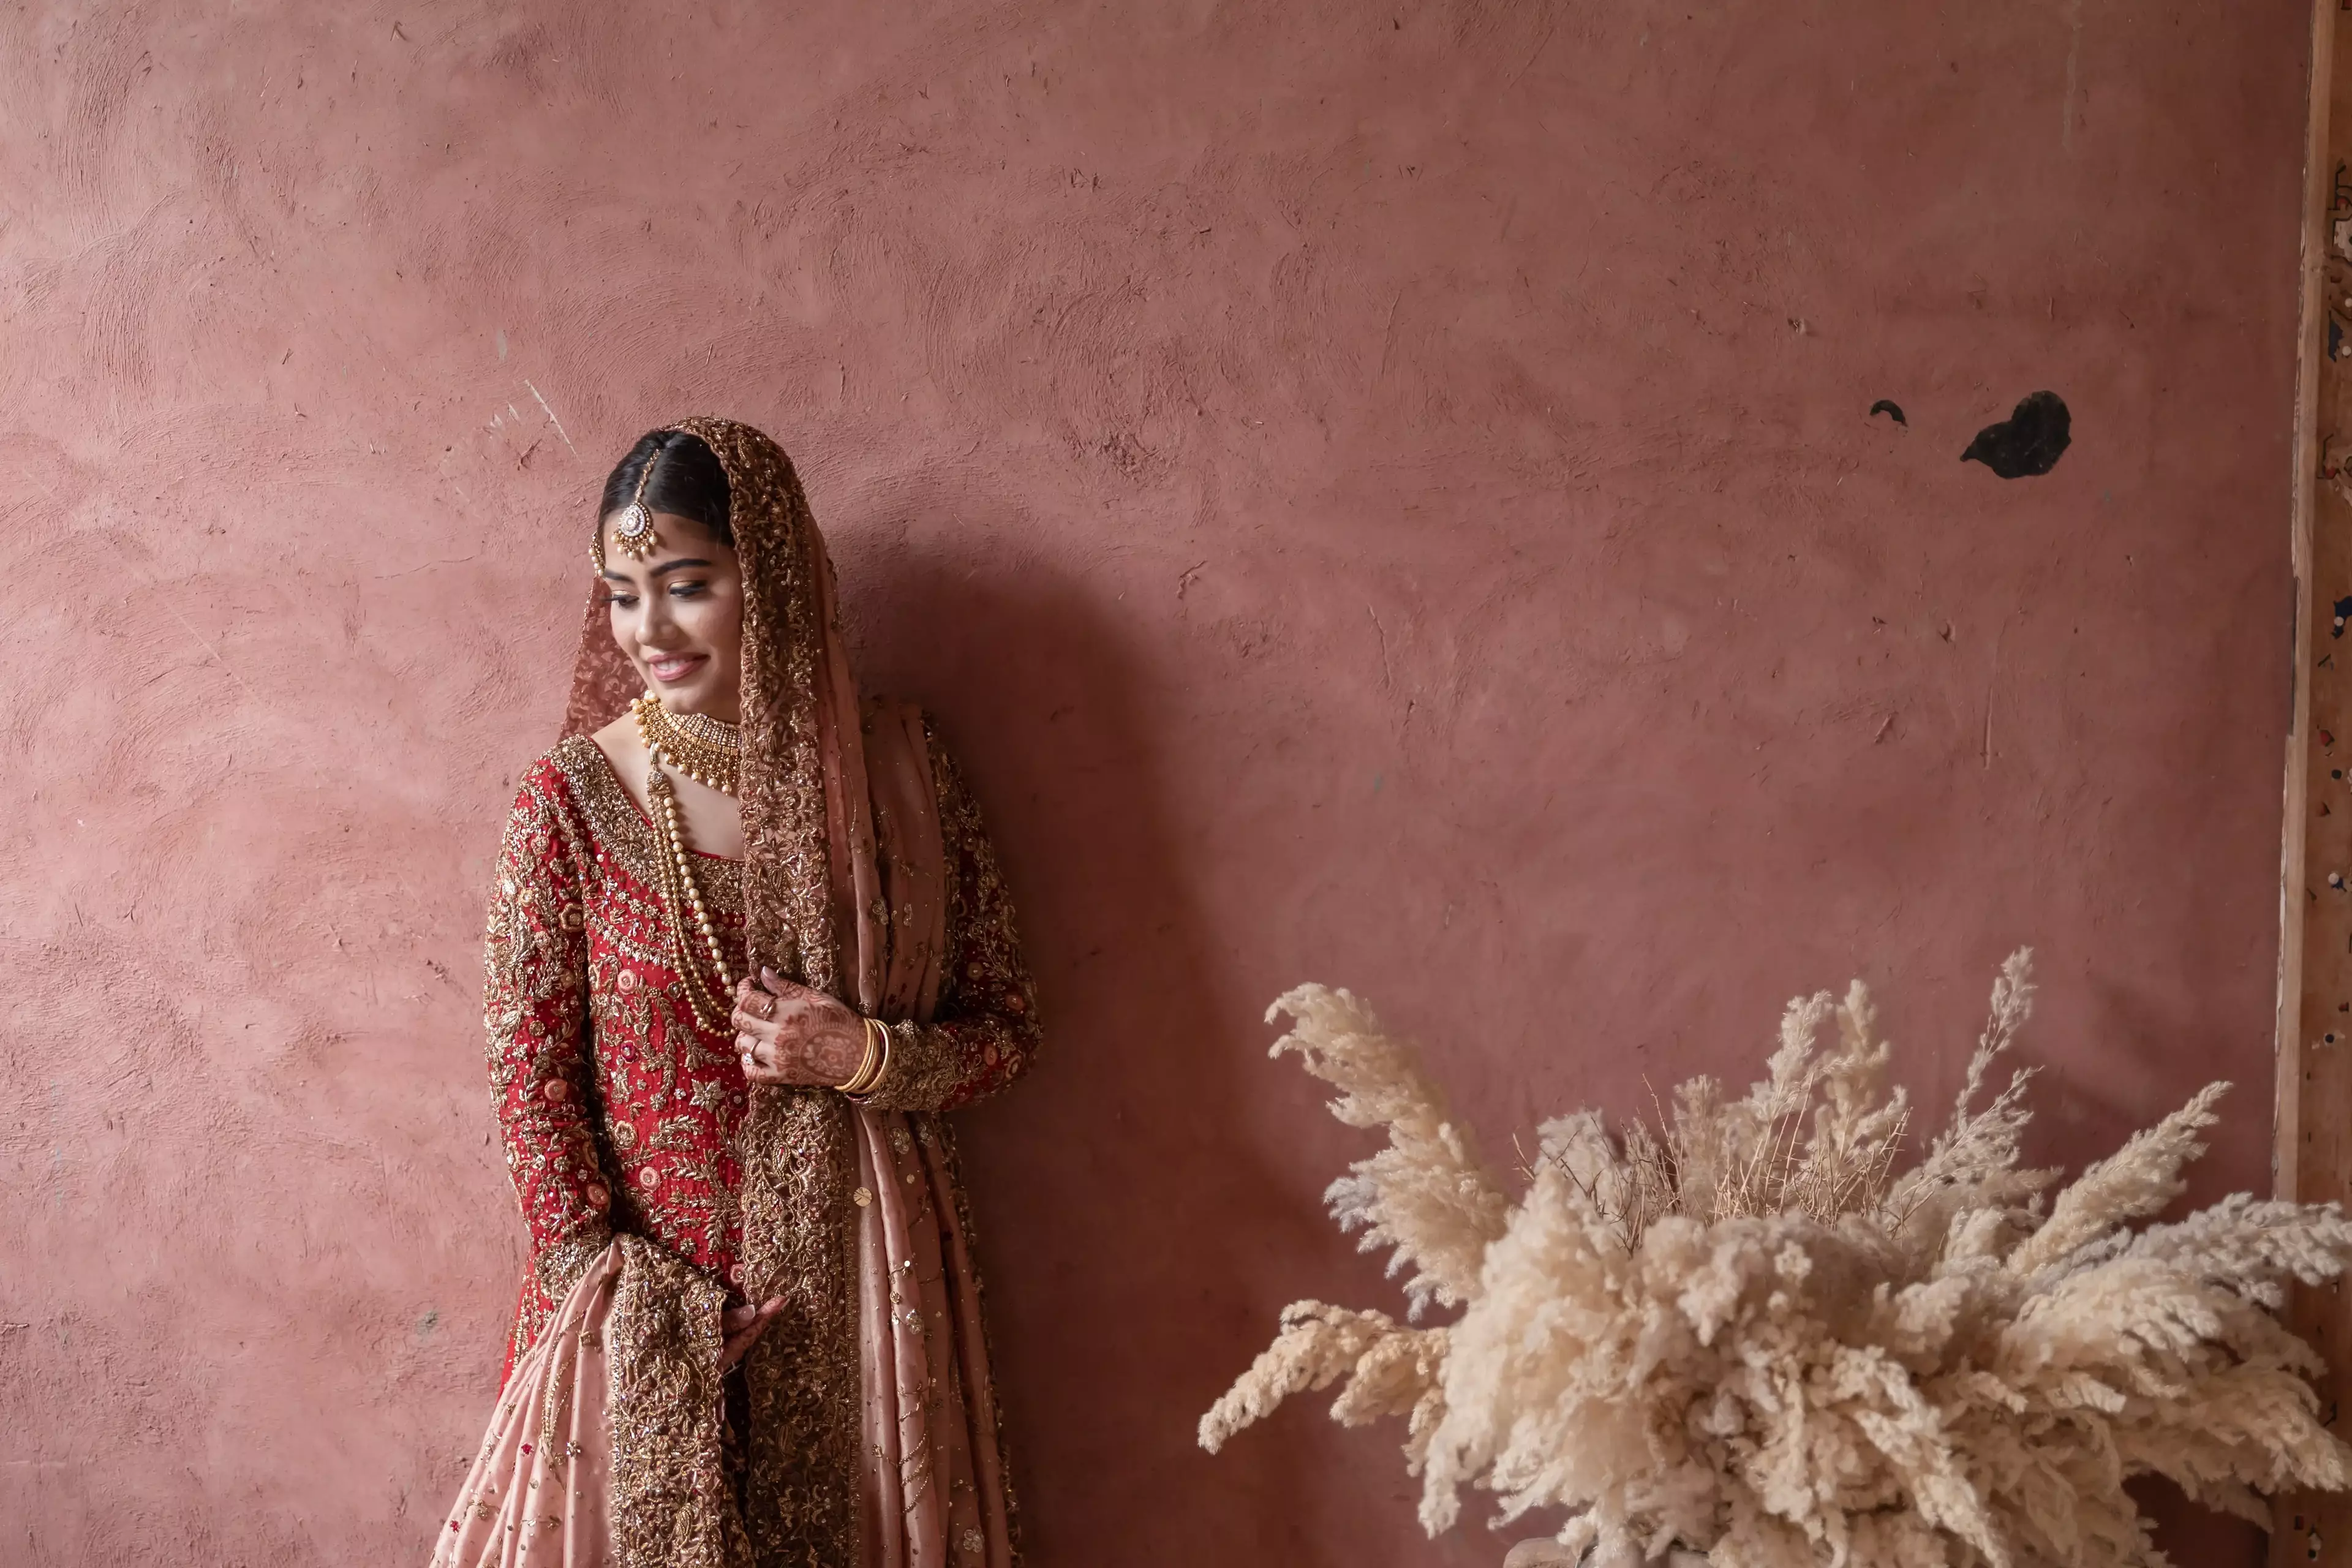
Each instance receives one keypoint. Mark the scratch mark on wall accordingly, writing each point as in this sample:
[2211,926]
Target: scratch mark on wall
[1529,64]
[205,643]
[1388,674]
[200,641]
[551,419]
[427,566]
[1992,683]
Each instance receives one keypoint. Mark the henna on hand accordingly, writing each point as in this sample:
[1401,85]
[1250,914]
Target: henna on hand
[789,1034]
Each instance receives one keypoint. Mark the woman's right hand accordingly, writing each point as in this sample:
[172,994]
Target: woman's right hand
[791,1035]
[741,1328]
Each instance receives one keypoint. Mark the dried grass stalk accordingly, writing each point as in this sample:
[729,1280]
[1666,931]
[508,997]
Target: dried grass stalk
[1748,1327]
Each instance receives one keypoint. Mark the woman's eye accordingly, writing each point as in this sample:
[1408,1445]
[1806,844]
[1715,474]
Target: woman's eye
[620,601]
[685,590]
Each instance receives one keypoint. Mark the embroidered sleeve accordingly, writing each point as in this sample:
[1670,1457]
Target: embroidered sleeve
[535,1010]
[984,1032]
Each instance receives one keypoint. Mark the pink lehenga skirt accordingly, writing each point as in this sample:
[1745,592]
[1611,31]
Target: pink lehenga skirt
[536,1495]
[931,1488]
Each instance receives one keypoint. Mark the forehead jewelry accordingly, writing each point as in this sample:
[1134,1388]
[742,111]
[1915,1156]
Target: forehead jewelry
[633,530]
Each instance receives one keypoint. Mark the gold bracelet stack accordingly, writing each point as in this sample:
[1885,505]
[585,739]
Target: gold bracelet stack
[876,1064]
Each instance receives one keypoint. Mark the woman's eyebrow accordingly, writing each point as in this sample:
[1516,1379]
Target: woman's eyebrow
[674,566]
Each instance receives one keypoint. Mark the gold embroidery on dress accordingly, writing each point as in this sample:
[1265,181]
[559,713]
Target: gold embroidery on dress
[559,1267]
[986,1027]
[622,831]
[795,1146]
[671,1505]
[532,950]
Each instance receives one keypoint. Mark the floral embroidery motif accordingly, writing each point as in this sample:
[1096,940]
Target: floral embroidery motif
[668,1465]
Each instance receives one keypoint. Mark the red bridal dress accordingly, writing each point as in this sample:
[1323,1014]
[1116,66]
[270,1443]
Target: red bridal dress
[659,1188]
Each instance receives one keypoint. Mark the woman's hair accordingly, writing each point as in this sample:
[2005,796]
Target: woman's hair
[686,481]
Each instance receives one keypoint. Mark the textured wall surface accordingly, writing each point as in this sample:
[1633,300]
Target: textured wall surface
[1378,493]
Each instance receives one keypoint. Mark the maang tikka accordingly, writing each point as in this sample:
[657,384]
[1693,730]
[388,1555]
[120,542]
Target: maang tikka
[632,531]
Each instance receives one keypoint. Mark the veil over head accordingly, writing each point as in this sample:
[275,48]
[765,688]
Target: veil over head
[824,902]
[844,891]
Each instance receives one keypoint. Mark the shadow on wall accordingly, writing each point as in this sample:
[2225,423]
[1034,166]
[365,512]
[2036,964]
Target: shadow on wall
[1126,1230]
[1117,1211]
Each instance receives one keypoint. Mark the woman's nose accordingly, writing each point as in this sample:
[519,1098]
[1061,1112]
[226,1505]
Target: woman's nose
[653,622]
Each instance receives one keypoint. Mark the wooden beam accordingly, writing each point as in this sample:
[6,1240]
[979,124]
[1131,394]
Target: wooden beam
[2313,1131]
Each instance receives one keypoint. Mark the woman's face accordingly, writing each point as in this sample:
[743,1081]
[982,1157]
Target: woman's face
[678,616]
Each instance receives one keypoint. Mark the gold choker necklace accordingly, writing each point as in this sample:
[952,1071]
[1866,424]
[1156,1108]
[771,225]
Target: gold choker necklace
[706,749]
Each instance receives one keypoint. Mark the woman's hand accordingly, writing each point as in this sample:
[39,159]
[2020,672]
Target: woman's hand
[741,1328]
[788,1034]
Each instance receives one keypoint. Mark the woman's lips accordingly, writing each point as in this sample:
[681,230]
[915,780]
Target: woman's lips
[675,667]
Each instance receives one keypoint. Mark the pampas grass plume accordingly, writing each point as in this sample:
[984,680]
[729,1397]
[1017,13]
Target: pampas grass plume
[1762,1329]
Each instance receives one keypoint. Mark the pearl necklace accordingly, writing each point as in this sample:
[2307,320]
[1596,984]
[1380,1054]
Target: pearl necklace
[680,892]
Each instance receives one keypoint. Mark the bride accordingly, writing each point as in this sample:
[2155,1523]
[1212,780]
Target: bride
[747,941]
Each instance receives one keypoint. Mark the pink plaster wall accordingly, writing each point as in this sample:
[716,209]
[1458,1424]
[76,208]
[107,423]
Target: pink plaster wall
[1375,492]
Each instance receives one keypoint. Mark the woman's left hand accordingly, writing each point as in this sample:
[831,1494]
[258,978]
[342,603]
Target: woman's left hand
[788,1034]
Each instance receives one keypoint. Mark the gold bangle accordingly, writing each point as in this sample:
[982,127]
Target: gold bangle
[882,1071]
[877,1061]
[855,1081]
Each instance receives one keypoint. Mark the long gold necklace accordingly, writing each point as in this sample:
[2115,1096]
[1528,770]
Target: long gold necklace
[717,748]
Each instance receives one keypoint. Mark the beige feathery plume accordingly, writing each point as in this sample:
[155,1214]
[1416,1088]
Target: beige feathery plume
[2133,1183]
[1391,1369]
[1745,1330]
[1427,1195]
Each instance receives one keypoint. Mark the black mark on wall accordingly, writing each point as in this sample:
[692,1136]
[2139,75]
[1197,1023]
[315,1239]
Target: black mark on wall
[2029,442]
[1887,405]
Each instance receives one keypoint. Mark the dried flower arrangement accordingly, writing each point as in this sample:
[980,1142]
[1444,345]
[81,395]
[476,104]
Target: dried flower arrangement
[1753,1330]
